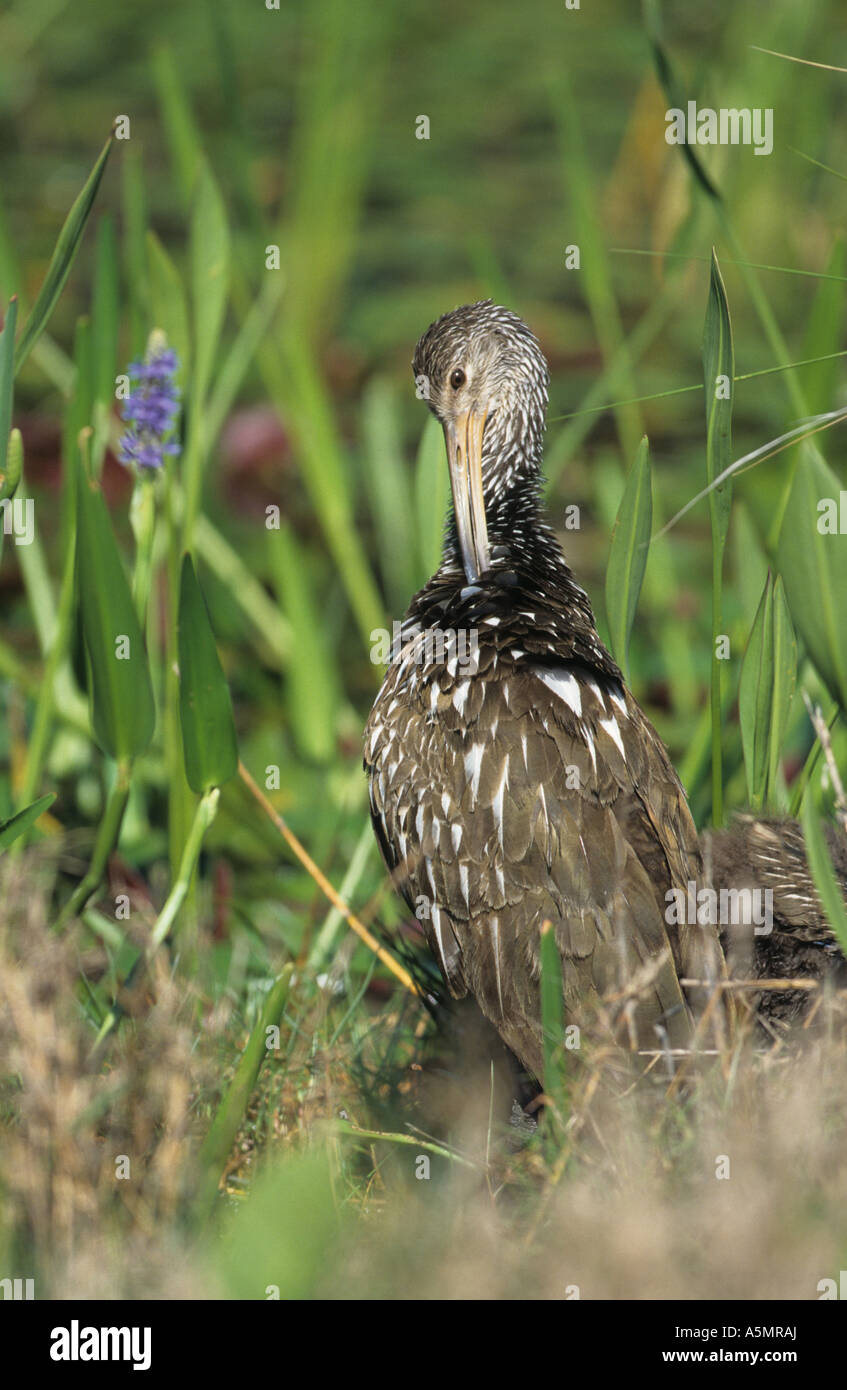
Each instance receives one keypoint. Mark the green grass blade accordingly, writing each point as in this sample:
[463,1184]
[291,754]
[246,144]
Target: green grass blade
[596,273]
[105,316]
[209,744]
[628,555]
[14,465]
[798,789]
[7,382]
[260,611]
[311,683]
[229,380]
[718,373]
[301,398]
[209,255]
[389,492]
[105,312]
[184,143]
[11,276]
[678,98]
[230,1112]
[552,1015]
[675,95]
[765,692]
[80,407]
[336,107]
[168,302]
[35,572]
[62,259]
[754,697]
[812,559]
[432,498]
[785,682]
[67,641]
[823,874]
[823,336]
[136,275]
[16,825]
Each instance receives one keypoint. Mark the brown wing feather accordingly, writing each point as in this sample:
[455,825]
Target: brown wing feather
[505,809]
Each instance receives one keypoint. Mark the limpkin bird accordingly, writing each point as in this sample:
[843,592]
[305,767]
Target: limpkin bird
[768,854]
[514,781]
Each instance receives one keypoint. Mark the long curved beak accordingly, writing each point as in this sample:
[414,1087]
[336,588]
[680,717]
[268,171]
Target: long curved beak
[464,456]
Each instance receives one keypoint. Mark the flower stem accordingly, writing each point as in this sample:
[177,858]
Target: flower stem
[206,811]
[204,815]
[230,1112]
[716,701]
[178,789]
[142,517]
[107,838]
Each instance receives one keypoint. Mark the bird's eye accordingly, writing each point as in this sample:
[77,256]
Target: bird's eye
[457,378]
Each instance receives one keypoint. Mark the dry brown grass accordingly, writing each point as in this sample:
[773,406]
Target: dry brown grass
[621,1199]
[71,1125]
[640,1211]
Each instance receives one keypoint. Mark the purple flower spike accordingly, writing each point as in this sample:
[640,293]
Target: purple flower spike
[151,409]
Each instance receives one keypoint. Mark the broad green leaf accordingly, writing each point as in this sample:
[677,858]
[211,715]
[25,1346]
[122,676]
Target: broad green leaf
[16,825]
[167,301]
[205,710]
[7,380]
[119,689]
[432,496]
[311,684]
[552,1014]
[209,267]
[823,874]
[765,691]
[812,558]
[62,260]
[718,372]
[628,555]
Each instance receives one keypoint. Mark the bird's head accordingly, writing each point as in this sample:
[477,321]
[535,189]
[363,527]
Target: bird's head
[483,375]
